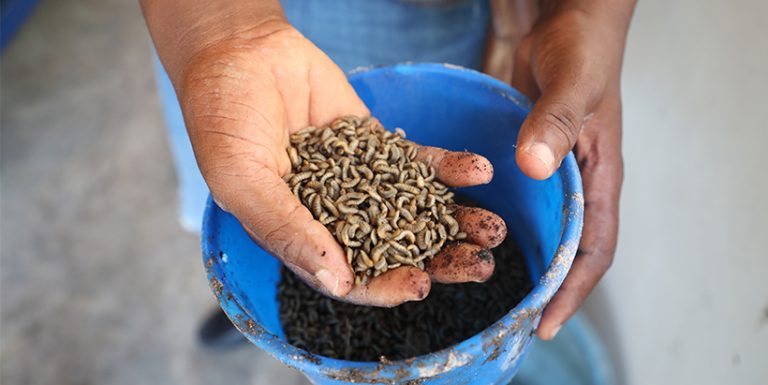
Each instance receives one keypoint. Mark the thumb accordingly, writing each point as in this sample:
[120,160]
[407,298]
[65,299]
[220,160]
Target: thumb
[279,223]
[550,131]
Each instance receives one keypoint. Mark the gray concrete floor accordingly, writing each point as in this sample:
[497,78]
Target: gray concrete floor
[99,285]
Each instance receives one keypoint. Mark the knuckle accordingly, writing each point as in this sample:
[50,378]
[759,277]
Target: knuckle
[277,238]
[605,261]
[600,258]
[565,120]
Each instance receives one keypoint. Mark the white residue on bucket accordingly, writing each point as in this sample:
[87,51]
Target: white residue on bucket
[224,257]
[454,361]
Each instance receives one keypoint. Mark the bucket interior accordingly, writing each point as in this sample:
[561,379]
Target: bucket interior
[438,108]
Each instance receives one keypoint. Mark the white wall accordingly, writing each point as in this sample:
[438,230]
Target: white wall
[686,301]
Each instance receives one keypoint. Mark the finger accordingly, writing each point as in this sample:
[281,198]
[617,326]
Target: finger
[602,173]
[551,129]
[592,261]
[240,160]
[457,168]
[279,223]
[523,79]
[482,227]
[392,288]
[461,262]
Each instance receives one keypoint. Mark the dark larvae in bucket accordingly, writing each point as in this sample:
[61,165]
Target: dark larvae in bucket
[450,314]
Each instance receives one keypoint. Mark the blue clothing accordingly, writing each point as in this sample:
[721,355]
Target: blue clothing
[358,33]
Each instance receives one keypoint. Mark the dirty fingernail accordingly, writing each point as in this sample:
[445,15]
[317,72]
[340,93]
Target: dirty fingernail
[543,153]
[555,331]
[329,280]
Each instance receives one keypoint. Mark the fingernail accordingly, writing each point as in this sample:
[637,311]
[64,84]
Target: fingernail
[554,332]
[543,153]
[329,280]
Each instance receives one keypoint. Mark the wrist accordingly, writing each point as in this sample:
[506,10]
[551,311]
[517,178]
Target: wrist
[230,42]
[599,28]
[183,30]
[615,14]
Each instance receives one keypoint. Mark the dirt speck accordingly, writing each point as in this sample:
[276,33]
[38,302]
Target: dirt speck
[494,345]
[252,328]
[310,357]
[216,286]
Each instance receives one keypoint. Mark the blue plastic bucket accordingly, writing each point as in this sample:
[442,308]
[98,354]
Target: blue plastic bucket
[456,109]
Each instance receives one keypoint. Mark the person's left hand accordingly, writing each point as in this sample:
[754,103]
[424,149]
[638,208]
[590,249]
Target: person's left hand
[570,64]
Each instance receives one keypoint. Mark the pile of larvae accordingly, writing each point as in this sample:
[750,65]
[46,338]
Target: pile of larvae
[364,183]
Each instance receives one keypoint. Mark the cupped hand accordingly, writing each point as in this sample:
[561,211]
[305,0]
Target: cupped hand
[242,98]
[570,64]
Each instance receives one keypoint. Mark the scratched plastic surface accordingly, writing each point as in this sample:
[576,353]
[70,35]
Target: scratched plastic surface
[456,109]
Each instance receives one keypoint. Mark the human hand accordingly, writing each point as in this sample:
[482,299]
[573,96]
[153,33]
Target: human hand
[570,64]
[242,97]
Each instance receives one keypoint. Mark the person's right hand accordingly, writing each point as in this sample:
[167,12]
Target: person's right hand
[242,97]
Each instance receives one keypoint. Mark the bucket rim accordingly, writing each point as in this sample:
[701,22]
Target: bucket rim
[430,364]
